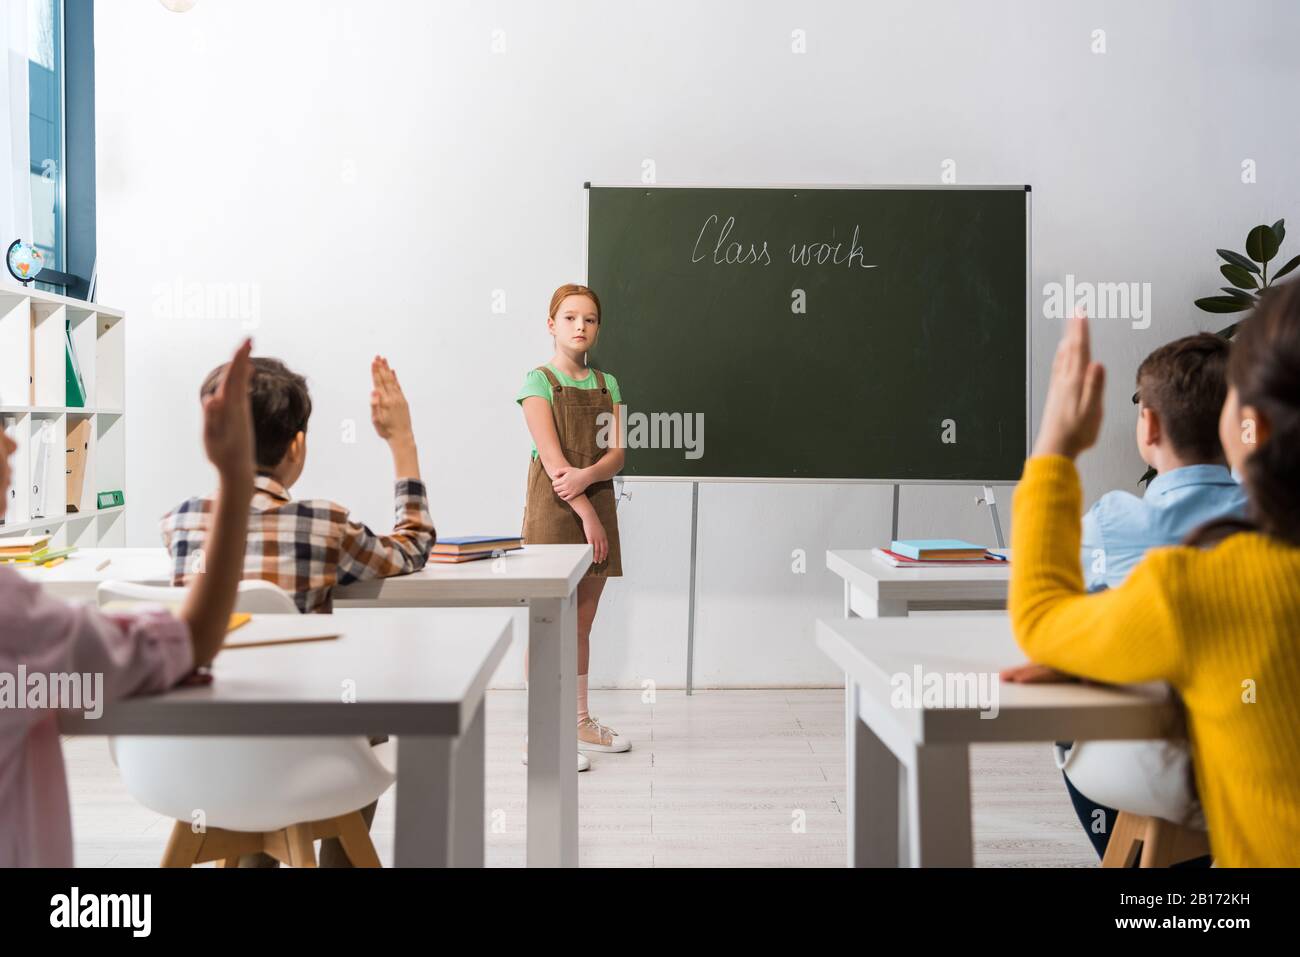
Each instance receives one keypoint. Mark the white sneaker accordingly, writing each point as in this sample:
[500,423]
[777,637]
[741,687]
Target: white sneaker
[600,738]
[584,764]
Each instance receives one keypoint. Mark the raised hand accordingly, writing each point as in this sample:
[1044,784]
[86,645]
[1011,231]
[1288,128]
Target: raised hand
[1073,407]
[389,411]
[228,440]
[228,421]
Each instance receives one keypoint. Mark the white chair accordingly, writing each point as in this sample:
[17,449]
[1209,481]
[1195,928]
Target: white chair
[1160,820]
[246,795]
[255,596]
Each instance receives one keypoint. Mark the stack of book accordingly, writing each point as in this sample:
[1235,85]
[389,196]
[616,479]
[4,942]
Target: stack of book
[32,548]
[470,548]
[937,553]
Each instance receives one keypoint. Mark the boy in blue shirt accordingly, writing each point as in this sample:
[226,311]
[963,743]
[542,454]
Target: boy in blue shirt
[1180,391]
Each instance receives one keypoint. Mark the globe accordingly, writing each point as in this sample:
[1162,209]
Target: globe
[25,261]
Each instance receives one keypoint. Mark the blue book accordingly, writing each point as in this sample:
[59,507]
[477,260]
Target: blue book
[929,549]
[469,544]
[476,539]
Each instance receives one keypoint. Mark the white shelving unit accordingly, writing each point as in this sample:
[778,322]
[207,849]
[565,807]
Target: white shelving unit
[33,393]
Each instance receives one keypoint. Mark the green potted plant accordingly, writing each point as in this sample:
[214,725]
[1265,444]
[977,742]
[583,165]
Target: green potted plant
[1248,277]
[1248,274]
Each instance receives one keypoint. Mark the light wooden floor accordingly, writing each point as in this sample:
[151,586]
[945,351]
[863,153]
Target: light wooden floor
[723,778]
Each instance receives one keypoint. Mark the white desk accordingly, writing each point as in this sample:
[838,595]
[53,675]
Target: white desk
[542,578]
[873,589]
[420,676]
[76,579]
[908,767]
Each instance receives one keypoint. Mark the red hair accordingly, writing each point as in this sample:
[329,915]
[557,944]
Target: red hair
[573,289]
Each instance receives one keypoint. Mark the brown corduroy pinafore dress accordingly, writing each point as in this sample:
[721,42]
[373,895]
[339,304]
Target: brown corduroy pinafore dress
[548,519]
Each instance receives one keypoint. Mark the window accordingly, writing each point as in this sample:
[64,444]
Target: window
[45,95]
[48,188]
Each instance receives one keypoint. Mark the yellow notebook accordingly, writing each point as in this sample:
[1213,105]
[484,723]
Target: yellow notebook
[237,619]
[311,628]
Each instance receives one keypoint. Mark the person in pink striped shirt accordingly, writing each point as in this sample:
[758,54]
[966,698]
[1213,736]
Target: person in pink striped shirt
[123,654]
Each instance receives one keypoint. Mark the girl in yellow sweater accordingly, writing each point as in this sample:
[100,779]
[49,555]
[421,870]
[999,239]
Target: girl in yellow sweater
[1219,620]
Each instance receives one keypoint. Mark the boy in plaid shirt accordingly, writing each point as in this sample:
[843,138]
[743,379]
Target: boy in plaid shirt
[309,546]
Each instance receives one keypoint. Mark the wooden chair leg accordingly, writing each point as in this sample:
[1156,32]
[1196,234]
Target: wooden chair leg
[1167,843]
[1125,839]
[355,838]
[182,846]
[276,844]
[302,852]
[1160,842]
[293,845]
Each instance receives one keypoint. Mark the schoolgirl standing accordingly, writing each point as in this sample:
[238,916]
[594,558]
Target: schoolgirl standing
[576,455]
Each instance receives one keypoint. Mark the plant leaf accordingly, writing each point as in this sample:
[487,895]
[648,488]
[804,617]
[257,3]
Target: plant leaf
[1261,244]
[1239,295]
[1291,264]
[1229,332]
[1221,304]
[1279,230]
[1147,476]
[1237,259]
[1239,277]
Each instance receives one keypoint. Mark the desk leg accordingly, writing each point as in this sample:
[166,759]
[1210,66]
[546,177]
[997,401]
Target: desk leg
[873,775]
[938,792]
[467,794]
[873,608]
[851,762]
[552,733]
[422,836]
[850,751]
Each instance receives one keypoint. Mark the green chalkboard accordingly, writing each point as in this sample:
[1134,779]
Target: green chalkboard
[815,333]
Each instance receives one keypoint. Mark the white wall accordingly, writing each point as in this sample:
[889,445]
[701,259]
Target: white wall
[373,172]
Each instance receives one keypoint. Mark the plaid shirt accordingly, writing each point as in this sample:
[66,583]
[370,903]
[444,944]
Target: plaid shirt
[308,547]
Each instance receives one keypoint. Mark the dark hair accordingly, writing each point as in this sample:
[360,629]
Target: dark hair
[1264,368]
[281,407]
[1185,382]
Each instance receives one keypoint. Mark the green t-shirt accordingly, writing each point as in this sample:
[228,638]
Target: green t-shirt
[536,383]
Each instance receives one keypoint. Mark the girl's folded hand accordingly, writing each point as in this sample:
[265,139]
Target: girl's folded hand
[570,482]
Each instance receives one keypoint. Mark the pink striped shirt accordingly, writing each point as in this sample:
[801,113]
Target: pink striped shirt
[42,636]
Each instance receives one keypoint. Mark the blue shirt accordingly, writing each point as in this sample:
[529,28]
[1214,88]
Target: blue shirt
[1120,528]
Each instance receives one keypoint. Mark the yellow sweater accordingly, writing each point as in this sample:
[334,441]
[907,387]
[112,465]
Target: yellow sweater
[1221,625]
